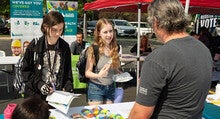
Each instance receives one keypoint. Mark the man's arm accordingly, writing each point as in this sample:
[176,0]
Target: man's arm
[141,112]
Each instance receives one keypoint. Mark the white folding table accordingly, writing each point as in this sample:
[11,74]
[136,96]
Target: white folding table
[8,60]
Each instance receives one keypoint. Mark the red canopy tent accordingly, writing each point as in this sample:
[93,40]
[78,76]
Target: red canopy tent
[191,6]
[116,5]
[195,6]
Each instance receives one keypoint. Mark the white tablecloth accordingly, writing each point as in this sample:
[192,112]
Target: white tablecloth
[116,108]
[7,60]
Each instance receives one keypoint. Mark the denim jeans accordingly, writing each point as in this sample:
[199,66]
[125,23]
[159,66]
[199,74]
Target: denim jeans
[97,92]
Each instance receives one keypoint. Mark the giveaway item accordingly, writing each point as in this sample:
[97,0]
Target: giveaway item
[96,113]
[123,77]
[211,98]
[9,110]
[217,91]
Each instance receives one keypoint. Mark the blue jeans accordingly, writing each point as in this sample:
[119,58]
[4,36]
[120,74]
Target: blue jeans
[100,93]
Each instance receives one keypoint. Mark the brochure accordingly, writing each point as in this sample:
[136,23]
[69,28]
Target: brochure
[123,77]
[61,100]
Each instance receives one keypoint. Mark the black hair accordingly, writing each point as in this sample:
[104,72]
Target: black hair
[31,108]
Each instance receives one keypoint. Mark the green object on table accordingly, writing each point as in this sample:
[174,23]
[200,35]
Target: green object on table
[76,83]
[211,111]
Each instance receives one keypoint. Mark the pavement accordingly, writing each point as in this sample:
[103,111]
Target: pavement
[14,97]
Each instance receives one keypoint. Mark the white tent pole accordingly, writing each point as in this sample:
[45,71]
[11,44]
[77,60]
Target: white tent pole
[138,44]
[187,7]
[197,26]
[84,25]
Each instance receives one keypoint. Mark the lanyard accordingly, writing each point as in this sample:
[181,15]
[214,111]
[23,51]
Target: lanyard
[51,68]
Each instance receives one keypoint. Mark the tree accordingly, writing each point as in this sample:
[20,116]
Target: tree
[5,8]
[81,3]
[130,16]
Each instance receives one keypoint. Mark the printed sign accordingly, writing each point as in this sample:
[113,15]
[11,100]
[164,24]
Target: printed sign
[208,21]
[69,11]
[26,19]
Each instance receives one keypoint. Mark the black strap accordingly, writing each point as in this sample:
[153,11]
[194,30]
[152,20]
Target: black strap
[96,52]
[118,47]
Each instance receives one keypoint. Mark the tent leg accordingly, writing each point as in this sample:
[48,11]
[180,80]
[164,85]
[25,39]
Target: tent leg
[138,45]
[84,26]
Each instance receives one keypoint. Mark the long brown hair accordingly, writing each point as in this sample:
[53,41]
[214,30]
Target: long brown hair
[98,41]
[144,42]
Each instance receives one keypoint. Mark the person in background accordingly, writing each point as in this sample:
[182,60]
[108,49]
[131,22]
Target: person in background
[16,47]
[47,61]
[173,84]
[25,45]
[31,108]
[101,88]
[78,45]
[194,34]
[206,37]
[144,46]
[216,52]
[216,40]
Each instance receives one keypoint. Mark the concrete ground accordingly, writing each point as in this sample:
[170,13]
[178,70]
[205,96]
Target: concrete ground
[14,97]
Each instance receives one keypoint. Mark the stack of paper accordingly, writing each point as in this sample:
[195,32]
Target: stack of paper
[123,77]
[61,100]
[211,98]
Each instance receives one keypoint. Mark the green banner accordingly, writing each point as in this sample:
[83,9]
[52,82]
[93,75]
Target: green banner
[26,8]
[69,12]
[70,18]
[26,19]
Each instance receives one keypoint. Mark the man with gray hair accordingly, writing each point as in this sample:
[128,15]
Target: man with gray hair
[175,77]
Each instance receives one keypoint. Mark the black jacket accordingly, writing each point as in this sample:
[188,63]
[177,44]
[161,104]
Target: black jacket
[33,64]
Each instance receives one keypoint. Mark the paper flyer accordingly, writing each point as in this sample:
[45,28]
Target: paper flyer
[61,100]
